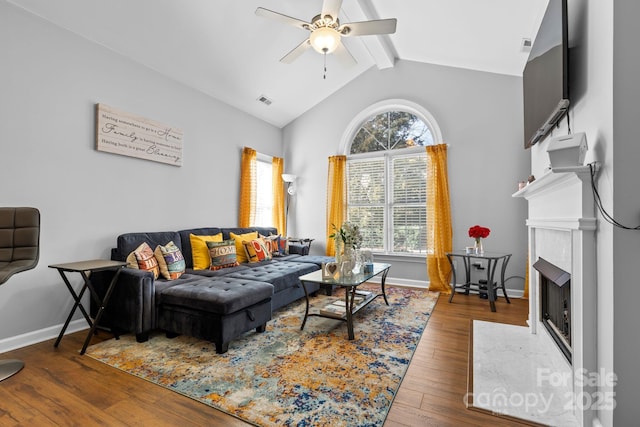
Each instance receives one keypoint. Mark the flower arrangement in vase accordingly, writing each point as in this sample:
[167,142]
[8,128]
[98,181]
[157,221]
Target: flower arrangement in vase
[347,239]
[478,233]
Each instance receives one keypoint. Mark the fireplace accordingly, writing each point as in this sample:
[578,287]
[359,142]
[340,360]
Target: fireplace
[561,223]
[555,304]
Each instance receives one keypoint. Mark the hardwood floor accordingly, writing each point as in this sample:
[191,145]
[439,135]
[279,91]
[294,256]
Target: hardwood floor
[432,392]
[58,387]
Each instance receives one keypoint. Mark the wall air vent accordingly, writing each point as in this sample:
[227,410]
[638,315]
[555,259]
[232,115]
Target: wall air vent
[264,100]
[526,45]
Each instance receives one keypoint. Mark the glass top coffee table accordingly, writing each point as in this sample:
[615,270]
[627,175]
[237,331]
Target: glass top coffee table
[354,299]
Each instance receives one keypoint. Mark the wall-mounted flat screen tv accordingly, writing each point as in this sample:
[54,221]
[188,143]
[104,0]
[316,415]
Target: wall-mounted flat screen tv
[545,79]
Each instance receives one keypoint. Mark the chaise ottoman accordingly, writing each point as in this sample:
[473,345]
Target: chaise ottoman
[214,309]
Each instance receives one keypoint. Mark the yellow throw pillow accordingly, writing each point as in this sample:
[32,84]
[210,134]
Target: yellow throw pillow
[239,238]
[200,251]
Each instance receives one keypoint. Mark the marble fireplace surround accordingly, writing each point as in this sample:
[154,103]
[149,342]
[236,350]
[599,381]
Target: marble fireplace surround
[562,224]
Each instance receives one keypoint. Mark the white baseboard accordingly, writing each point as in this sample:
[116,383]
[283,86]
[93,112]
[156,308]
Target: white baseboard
[41,335]
[513,293]
[51,332]
[401,282]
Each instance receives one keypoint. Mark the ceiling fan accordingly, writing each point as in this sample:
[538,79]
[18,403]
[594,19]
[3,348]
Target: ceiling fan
[327,31]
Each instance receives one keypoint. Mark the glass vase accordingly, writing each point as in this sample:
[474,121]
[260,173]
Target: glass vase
[347,262]
[477,247]
[339,249]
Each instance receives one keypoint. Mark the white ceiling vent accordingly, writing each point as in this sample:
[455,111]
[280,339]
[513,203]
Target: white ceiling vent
[526,45]
[264,100]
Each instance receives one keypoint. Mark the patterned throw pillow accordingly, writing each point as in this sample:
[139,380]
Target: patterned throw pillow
[200,251]
[239,238]
[273,244]
[283,243]
[143,259]
[223,254]
[256,250]
[170,261]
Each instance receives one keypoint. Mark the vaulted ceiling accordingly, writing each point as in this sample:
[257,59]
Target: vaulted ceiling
[223,49]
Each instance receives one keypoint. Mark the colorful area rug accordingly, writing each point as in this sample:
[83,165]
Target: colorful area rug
[286,376]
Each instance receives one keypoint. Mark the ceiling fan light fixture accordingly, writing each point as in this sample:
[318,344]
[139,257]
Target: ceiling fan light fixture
[324,39]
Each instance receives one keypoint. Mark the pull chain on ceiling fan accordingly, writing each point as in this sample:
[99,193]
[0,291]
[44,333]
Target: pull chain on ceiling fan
[327,32]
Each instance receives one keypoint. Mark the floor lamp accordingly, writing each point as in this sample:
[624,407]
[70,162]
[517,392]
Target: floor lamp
[291,190]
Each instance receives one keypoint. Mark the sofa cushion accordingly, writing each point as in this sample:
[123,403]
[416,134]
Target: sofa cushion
[222,295]
[199,250]
[170,261]
[265,231]
[218,273]
[129,242]
[314,259]
[222,254]
[281,274]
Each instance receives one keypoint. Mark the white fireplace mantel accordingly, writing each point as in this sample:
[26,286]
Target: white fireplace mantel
[562,224]
[562,195]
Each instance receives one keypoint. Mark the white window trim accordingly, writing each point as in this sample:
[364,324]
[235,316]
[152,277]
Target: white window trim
[395,104]
[381,107]
[266,159]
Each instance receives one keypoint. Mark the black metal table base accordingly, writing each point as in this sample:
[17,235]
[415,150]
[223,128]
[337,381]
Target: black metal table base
[492,286]
[85,268]
[349,298]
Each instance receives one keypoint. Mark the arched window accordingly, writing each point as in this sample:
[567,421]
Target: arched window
[386,176]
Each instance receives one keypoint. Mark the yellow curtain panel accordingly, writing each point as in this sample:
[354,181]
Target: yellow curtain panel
[277,167]
[247,209]
[336,198]
[439,232]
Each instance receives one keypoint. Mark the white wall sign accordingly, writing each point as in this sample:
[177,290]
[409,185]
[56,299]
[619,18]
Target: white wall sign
[129,135]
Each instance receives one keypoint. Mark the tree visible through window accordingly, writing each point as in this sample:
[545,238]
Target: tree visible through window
[386,182]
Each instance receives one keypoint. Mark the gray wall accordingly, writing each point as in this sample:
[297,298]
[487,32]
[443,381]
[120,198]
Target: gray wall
[480,116]
[626,175]
[50,80]
[605,91]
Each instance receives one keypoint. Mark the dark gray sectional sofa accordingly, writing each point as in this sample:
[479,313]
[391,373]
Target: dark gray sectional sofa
[217,306]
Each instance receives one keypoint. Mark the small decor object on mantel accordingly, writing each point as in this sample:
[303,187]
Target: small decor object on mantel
[478,233]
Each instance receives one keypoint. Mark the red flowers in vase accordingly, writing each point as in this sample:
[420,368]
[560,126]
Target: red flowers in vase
[477,232]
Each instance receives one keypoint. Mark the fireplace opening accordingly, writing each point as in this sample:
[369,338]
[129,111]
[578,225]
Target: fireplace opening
[555,303]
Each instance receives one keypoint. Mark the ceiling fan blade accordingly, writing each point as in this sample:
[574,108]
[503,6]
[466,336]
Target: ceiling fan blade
[366,28]
[282,18]
[331,7]
[296,52]
[344,56]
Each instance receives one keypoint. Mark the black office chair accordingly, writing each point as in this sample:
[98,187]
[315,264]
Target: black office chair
[19,251]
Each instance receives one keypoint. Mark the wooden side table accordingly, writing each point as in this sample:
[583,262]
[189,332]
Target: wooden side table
[85,268]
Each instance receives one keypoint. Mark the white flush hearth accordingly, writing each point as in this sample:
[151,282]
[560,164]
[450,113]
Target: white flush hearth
[561,222]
